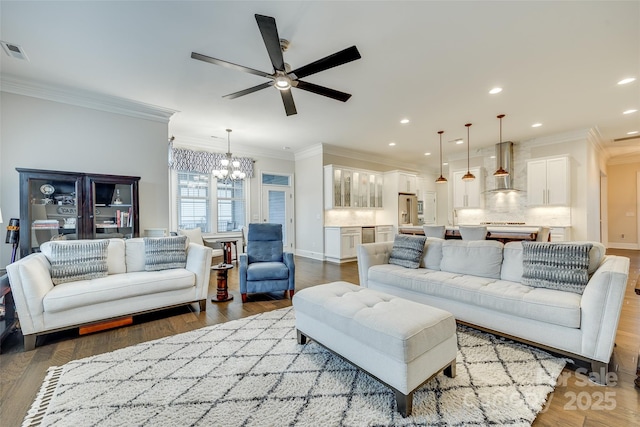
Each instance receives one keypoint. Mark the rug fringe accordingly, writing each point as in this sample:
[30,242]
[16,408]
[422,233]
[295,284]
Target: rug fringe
[38,409]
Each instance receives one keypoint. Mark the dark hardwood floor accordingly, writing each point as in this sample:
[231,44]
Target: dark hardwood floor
[575,402]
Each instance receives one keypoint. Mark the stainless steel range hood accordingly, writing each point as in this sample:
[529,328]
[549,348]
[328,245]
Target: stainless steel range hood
[504,183]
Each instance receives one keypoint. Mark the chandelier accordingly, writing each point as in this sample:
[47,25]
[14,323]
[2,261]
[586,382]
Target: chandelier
[230,170]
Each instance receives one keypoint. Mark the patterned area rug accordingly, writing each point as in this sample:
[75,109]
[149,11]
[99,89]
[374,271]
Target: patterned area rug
[251,372]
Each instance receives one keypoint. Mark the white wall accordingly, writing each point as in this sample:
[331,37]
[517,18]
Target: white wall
[309,206]
[42,134]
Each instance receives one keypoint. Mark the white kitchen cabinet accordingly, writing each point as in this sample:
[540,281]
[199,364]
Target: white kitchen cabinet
[351,188]
[467,194]
[560,234]
[407,183]
[341,243]
[548,182]
[384,233]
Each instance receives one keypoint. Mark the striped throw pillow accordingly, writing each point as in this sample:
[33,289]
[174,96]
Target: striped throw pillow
[559,266]
[78,260]
[163,253]
[407,250]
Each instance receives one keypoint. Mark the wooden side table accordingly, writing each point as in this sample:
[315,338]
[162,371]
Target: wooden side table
[221,277]
[226,247]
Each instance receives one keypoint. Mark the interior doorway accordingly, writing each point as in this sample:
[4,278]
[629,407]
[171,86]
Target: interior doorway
[277,205]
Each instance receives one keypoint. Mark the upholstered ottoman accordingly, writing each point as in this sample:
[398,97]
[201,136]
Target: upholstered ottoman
[400,342]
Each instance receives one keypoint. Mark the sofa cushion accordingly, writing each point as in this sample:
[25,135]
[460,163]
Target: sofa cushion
[267,271]
[432,253]
[163,253]
[73,260]
[407,250]
[134,254]
[545,305]
[116,288]
[512,262]
[481,258]
[116,263]
[194,235]
[560,266]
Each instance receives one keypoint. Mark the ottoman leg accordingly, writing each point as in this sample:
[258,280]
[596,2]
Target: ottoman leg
[404,403]
[302,339]
[450,370]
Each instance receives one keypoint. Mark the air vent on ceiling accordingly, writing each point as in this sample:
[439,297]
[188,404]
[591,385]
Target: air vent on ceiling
[628,138]
[14,51]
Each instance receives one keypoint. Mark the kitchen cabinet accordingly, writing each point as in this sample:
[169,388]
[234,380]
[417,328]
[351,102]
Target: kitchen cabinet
[351,188]
[74,205]
[407,183]
[548,182]
[467,194]
[341,243]
[384,233]
[559,234]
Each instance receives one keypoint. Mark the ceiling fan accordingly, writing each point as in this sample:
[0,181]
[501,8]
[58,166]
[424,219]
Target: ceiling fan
[282,78]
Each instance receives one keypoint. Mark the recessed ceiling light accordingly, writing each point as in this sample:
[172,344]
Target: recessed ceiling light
[495,90]
[459,141]
[627,80]
[629,111]
[392,144]
[286,148]
[633,132]
[404,121]
[427,154]
[492,157]
[536,125]
[445,164]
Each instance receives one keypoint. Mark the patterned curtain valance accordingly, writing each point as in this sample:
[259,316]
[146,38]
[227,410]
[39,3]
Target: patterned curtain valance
[184,159]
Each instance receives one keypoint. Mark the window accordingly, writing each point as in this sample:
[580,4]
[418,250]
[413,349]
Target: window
[231,206]
[194,201]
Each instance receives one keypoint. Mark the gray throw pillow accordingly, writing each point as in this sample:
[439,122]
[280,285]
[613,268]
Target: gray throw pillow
[78,260]
[407,250]
[163,253]
[560,266]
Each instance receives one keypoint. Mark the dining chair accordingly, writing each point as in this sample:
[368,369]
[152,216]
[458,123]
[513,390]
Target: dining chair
[473,232]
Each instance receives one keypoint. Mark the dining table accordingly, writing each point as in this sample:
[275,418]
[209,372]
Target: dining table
[501,234]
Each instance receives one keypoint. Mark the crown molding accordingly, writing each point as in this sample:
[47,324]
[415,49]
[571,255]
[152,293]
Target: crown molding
[87,99]
[312,151]
[220,146]
[369,157]
[623,160]
[559,138]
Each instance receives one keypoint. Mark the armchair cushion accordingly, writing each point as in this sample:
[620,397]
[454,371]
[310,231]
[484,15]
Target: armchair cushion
[267,271]
[265,243]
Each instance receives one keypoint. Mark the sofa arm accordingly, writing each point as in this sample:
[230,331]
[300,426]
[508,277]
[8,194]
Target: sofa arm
[370,254]
[30,279]
[601,305]
[199,263]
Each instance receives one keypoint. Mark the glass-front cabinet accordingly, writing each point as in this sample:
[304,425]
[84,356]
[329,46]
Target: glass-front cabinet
[352,188]
[71,205]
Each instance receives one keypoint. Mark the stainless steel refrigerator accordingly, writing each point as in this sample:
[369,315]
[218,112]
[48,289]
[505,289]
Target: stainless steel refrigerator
[407,209]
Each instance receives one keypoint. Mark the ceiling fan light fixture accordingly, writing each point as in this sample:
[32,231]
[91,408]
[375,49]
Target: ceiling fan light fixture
[282,82]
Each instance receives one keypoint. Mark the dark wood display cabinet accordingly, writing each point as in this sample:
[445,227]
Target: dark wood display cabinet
[75,205]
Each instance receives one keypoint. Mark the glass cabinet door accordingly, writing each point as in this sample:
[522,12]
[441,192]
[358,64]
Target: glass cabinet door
[113,214]
[52,208]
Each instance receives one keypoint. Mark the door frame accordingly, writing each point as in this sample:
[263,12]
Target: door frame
[290,244]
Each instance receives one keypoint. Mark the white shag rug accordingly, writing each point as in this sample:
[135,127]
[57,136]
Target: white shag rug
[252,372]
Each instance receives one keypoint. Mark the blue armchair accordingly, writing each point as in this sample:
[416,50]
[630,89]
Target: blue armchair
[265,267]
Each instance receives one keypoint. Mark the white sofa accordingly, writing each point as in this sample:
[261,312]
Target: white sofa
[127,289]
[479,283]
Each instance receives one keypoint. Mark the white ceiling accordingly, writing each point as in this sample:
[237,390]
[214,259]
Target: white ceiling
[432,62]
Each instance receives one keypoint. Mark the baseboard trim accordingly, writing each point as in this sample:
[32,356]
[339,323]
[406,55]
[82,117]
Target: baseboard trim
[310,254]
[630,246]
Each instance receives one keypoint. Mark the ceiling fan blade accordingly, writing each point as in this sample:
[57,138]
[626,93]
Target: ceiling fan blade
[269,31]
[248,91]
[347,55]
[321,90]
[227,64]
[289,105]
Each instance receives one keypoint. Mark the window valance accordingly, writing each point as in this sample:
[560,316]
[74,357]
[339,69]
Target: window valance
[184,159]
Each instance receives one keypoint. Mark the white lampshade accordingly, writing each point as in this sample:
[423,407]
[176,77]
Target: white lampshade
[0,216]
[224,162]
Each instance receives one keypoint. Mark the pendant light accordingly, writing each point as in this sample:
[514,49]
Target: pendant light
[468,176]
[500,171]
[441,179]
[230,168]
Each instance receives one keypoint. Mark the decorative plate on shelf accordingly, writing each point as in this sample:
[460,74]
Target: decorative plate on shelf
[47,189]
